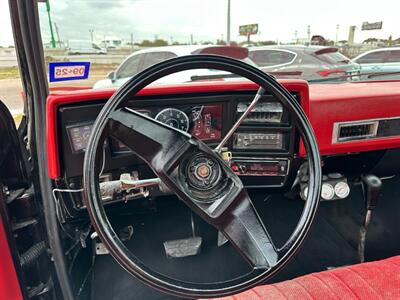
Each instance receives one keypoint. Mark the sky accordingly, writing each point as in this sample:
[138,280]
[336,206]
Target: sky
[177,20]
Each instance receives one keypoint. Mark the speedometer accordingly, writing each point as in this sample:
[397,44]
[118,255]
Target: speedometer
[174,118]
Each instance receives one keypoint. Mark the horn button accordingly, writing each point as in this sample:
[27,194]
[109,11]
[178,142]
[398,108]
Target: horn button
[204,177]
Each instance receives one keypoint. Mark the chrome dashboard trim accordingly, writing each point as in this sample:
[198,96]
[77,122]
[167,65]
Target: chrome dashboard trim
[372,135]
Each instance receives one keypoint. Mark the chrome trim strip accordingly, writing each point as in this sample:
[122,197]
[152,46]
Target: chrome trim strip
[373,135]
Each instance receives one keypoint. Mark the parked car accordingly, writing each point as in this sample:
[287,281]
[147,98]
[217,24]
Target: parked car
[145,58]
[84,47]
[379,60]
[305,62]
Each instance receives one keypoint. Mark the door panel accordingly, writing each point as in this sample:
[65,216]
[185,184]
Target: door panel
[9,284]
[12,166]
[13,176]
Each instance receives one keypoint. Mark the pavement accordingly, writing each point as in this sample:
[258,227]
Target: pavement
[10,94]
[11,89]
[8,57]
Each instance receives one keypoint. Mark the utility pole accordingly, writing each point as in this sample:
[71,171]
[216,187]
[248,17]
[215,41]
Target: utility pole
[58,35]
[352,31]
[132,42]
[337,32]
[91,34]
[228,24]
[295,37]
[191,39]
[53,41]
[308,34]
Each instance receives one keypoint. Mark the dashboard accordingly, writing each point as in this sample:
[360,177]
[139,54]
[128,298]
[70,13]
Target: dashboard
[260,150]
[265,151]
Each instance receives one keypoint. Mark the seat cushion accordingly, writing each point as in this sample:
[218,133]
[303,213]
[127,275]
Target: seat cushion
[373,280]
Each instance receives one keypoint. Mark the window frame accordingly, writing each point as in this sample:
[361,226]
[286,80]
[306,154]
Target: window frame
[138,56]
[145,55]
[279,64]
[385,60]
[371,53]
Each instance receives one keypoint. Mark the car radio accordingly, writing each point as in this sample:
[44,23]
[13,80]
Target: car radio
[259,166]
[258,141]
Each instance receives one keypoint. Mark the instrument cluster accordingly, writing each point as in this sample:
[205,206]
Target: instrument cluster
[201,121]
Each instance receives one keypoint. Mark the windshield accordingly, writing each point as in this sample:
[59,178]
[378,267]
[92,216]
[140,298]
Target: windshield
[121,38]
[101,44]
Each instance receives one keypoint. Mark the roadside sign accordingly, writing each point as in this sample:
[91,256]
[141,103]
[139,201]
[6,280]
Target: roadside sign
[248,29]
[63,71]
[371,26]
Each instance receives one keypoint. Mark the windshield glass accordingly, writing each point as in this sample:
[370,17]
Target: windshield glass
[103,43]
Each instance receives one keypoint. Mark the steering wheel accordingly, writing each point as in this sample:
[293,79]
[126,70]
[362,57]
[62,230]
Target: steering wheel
[223,202]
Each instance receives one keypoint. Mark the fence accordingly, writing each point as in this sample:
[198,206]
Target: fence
[8,58]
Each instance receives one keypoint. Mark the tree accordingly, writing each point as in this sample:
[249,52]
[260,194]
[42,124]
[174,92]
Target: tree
[370,41]
[389,41]
[220,42]
[155,43]
[266,43]
[178,43]
[396,41]
[146,43]
[160,42]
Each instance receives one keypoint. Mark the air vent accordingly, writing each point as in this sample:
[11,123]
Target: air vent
[350,131]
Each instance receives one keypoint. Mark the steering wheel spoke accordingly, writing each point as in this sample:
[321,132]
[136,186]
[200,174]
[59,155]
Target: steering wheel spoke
[156,143]
[242,225]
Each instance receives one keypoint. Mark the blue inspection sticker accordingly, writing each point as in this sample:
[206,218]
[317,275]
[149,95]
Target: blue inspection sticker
[63,71]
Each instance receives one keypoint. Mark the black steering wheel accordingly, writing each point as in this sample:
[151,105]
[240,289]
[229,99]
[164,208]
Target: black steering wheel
[224,204]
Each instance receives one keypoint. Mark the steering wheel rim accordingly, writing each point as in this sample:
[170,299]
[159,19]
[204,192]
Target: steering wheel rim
[97,213]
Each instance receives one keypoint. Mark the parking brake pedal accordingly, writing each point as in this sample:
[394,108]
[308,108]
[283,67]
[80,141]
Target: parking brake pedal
[184,247]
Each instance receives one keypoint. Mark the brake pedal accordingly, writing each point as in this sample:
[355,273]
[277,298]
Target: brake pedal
[183,247]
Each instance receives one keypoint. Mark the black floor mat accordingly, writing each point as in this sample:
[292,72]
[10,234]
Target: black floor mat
[332,242]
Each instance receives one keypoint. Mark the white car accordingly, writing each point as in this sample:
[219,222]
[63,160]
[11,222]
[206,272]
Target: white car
[379,60]
[145,58]
[84,47]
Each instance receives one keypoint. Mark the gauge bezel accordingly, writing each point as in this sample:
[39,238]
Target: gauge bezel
[177,111]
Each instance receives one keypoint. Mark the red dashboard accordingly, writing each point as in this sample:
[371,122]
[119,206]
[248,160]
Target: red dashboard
[333,103]
[325,105]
